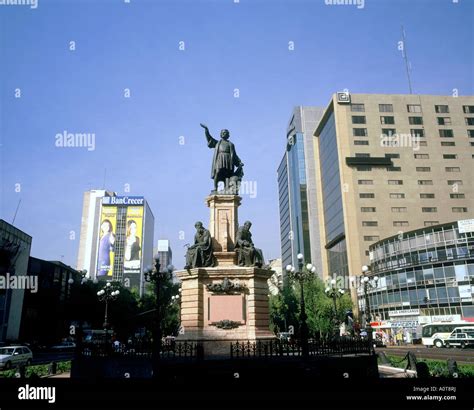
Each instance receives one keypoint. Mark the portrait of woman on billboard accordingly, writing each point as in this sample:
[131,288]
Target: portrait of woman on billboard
[132,245]
[106,246]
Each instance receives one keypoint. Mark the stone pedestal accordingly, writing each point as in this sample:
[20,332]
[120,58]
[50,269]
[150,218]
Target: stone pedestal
[204,310]
[227,302]
[223,223]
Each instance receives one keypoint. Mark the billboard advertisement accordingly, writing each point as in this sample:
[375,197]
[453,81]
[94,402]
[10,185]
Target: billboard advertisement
[106,252]
[133,240]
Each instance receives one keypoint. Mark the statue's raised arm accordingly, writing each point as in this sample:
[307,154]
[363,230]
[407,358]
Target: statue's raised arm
[211,142]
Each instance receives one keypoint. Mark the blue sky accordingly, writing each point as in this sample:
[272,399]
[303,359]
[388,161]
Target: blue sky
[228,46]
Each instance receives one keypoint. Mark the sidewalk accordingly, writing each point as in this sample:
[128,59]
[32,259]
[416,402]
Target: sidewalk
[65,375]
[387,372]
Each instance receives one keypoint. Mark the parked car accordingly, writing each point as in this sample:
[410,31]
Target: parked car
[461,337]
[12,356]
[64,346]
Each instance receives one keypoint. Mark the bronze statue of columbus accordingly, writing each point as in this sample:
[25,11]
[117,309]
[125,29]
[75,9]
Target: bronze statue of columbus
[223,162]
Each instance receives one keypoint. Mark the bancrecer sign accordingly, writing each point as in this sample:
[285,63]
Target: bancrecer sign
[123,200]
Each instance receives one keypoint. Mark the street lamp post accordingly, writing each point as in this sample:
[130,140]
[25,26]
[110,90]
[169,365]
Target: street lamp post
[74,293]
[301,275]
[333,292]
[157,277]
[367,285]
[107,294]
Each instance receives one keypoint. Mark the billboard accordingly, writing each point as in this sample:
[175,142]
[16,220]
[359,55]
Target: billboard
[106,251]
[133,240]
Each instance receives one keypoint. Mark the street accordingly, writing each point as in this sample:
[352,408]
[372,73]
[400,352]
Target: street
[465,356]
[48,357]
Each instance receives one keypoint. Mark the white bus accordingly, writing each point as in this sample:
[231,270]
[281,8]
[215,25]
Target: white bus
[434,334]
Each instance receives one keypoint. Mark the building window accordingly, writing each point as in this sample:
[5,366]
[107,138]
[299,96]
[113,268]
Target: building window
[396,195]
[414,108]
[423,143]
[363,168]
[446,133]
[427,196]
[399,209]
[362,155]
[470,133]
[400,223]
[423,169]
[387,120]
[359,132]
[448,143]
[385,108]
[457,196]
[388,131]
[422,156]
[367,209]
[357,107]
[415,120]
[417,132]
[450,156]
[441,109]
[454,182]
[365,182]
[452,169]
[425,182]
[370,223]
[360,142]
[459,209]
[444,120]
[431,223]
[429,209]
[395,182]
[371,238]
[367,195]
[470,121]
[394,169]
[468,109]
[392,155]
[358,119]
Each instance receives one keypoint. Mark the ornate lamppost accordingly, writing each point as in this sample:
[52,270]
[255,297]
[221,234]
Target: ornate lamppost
[301,275]
[107,294]
[74,291]
[334,292]
[157,278]
[368,285]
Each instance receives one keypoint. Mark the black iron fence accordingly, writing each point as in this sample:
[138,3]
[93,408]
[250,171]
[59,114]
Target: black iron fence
[238,349]
[171,349]
[277,348]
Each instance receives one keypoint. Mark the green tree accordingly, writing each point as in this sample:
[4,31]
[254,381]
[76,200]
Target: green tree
[285,308]
[170,321]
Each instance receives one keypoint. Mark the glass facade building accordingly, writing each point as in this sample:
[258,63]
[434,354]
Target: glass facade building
[428,272]
[332,199]
[299,221]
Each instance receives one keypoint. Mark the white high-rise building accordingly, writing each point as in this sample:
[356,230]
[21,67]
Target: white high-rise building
[116,241]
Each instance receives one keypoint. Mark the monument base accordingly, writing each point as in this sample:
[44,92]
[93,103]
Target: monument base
[224,304]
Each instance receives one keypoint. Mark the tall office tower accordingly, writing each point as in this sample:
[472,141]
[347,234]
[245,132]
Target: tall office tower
[118,238]
[164,253]
[390,164]
[297,188]
[15,247]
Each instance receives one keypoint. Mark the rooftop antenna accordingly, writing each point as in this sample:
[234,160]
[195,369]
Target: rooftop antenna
[405,57]
[17,207]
